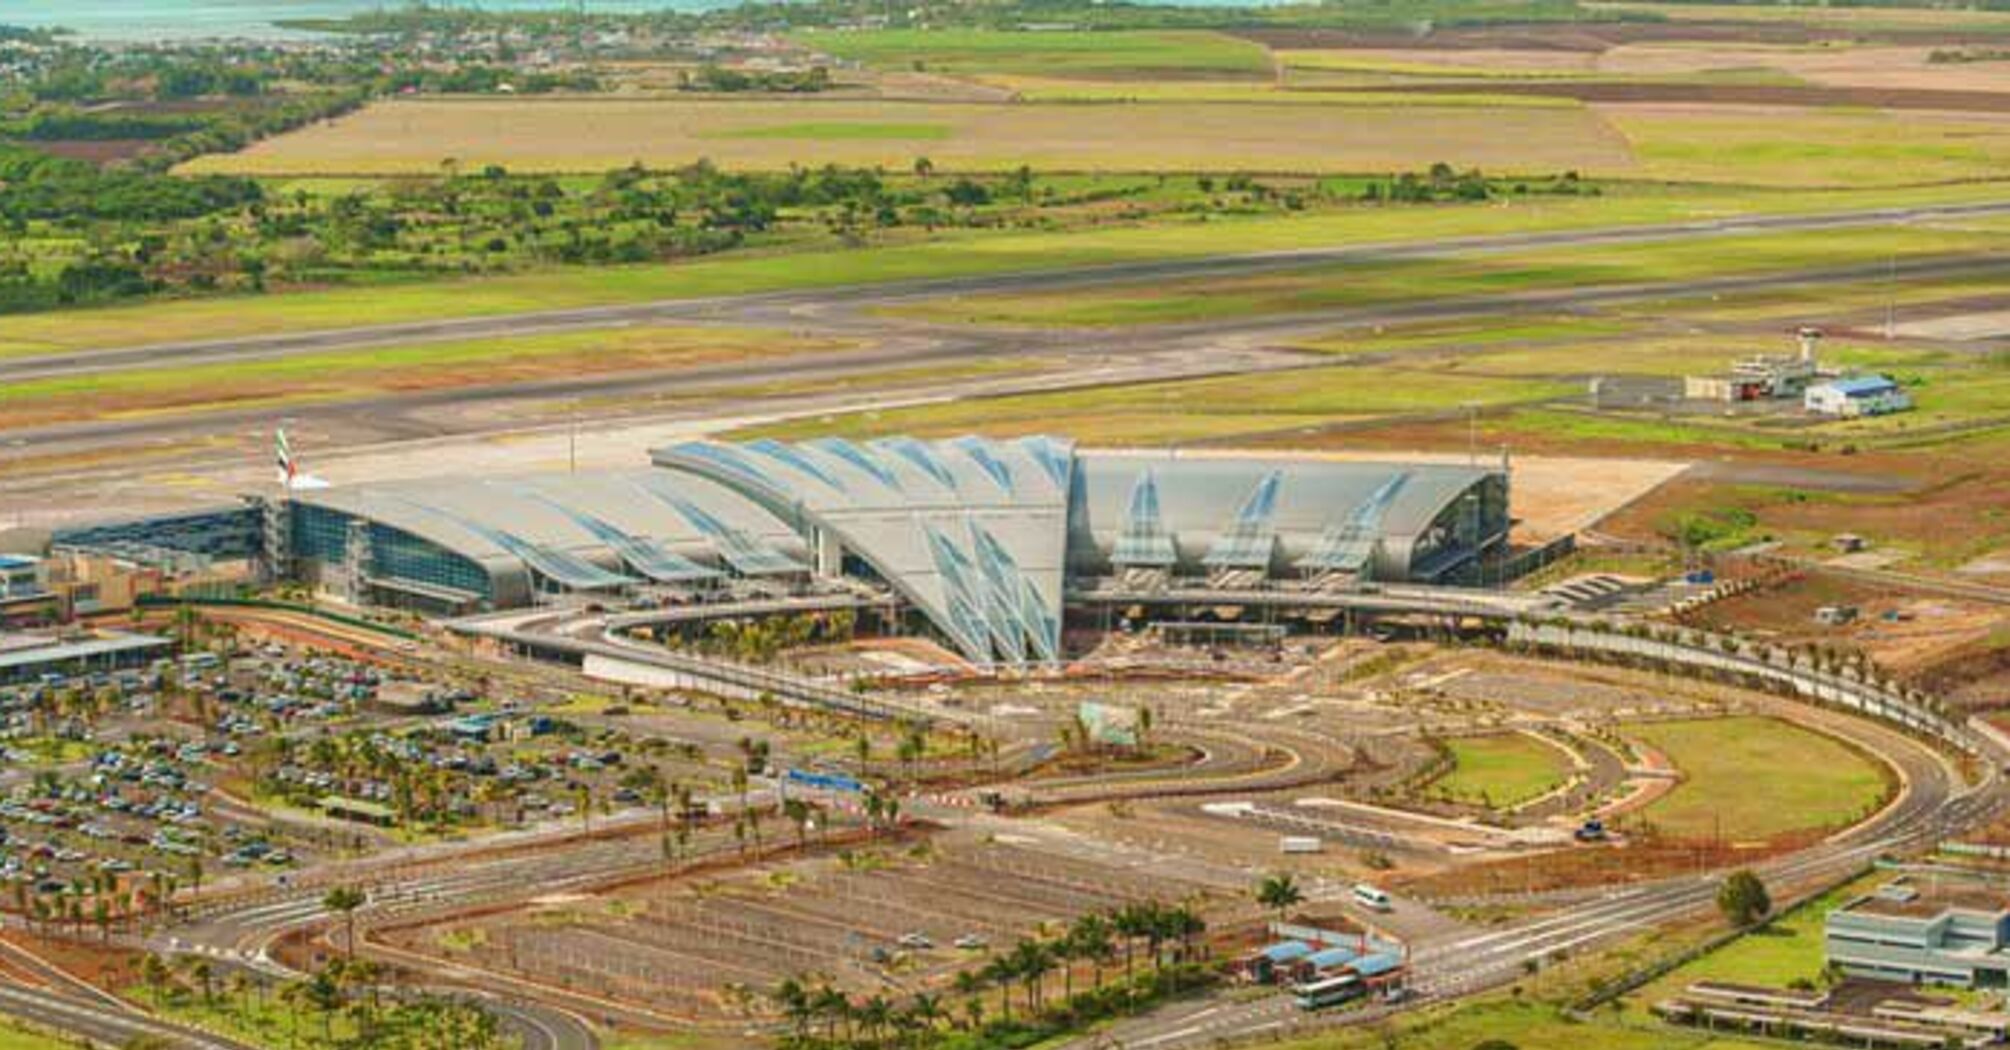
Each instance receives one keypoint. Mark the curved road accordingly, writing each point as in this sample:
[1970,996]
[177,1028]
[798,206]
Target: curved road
[1933,804]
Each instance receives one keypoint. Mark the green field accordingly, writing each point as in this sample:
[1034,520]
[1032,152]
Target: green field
[1123,55]
[1159,413]
[1501,770]
[953,255]
[1524,1025]
[1813,147]
[1359,284]
[13,1038]
[307,378]
[1749,779]
[1787,949]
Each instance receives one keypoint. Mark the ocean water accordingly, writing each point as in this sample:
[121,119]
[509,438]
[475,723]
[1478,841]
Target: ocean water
[138,20]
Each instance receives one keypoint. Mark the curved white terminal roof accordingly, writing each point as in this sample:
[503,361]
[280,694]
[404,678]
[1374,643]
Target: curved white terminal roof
[980,535]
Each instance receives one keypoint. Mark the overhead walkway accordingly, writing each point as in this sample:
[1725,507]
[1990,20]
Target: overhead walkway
[551,635]
[1450,601]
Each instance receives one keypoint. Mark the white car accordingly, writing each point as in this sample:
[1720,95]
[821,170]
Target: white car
[916,941]
[972,942]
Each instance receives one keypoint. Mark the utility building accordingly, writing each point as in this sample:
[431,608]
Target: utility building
[1858,396]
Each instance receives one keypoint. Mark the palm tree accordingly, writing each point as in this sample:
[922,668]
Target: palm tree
[1185,924]
[1091,936]
[794,1000]
[344,900]
[1002,970]
[1130,923]
[1032,961]
[1064,951]
[928,1010]
[154,974]
[1280,892]
[797,812]
[204,976]
[834,1007]
[873,1015]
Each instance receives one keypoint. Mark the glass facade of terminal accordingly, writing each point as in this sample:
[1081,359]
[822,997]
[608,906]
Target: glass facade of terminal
[322,534]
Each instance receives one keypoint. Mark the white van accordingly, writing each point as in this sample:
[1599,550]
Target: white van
[1373,898]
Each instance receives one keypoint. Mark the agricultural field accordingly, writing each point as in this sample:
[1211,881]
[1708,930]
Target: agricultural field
[1807,147]
[1748,779]
[405,137]
[1340,133]
[1091,56]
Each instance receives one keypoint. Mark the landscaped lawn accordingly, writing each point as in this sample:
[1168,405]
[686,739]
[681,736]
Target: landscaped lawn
[1784,950]
[1501,770]
[1750,778]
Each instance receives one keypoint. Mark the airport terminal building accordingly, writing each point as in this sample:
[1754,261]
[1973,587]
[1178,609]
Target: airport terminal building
[983,540]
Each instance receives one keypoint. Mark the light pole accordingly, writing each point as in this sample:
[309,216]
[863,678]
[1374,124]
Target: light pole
[1472,432]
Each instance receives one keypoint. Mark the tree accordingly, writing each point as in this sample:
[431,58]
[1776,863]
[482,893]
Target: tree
[154,974]
[1279,892]
[344,900]
[1091,937]
[1743,898]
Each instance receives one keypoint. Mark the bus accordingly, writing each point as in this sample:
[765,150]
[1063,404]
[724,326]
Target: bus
[1326,991]
[1373,898]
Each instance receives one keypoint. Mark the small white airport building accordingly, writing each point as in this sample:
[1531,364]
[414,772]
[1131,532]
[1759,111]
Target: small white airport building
[1857,396]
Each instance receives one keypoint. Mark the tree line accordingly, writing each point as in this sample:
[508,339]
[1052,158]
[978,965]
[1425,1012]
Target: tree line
[1150,948]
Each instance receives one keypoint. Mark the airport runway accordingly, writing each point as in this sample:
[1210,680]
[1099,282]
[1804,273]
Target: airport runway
[79,467]
[802,308]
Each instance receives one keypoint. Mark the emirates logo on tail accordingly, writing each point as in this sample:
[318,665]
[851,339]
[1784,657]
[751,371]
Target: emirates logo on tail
[284,453]
[290,477]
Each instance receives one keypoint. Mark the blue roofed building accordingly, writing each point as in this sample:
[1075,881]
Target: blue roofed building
[1857,396]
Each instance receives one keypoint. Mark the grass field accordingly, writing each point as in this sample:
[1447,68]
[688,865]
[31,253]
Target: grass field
[1861,18]
[1808,147]
[1158,413]
[1358,284]
[322,376]
[1749,779]
[1787,949]
[1500,1023]
[1120,55]
[15,1038]
[1501,770]
[599,133]
[962,254]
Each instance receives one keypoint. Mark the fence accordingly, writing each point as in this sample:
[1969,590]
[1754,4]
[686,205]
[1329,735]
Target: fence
[1728,655]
